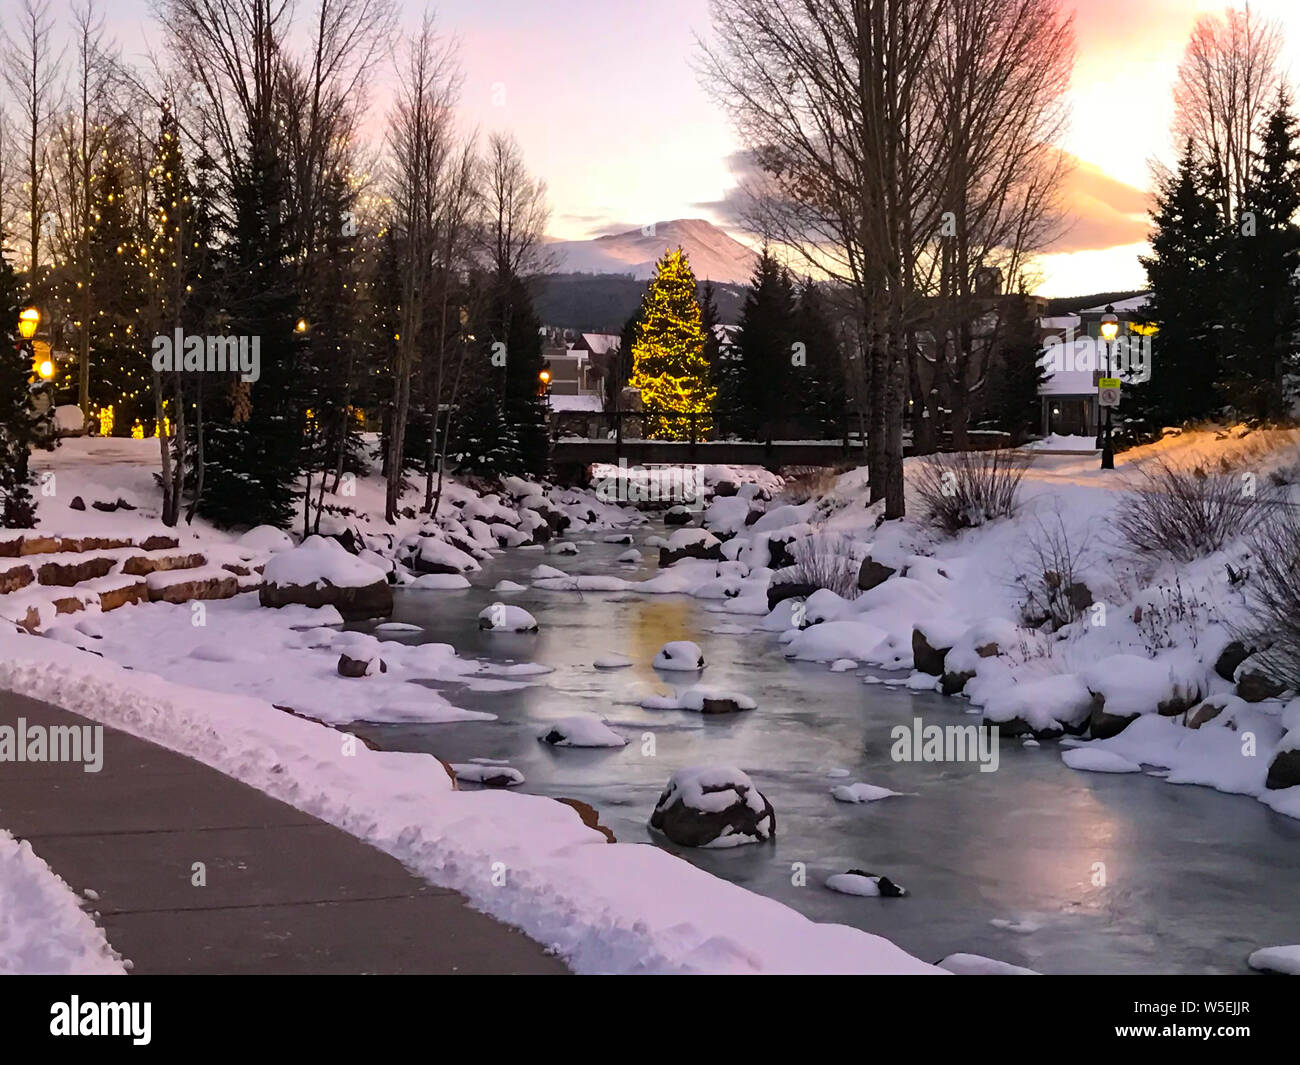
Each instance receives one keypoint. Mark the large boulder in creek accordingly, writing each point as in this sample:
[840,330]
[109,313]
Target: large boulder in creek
[365,666]
[872,573]
[319,572]
[690,543]
[931,642]
[677,515]
[779,593]
[713,806]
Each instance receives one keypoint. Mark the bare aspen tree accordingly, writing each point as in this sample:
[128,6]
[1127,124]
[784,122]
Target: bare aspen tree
[420,143]
[83,135]
[1226,82]
[829,95]
[1001,71]
[29,65]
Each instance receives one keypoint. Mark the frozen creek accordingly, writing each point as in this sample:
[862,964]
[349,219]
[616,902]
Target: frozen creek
[1004,864]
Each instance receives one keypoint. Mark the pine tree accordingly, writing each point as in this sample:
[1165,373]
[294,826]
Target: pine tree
[21,428]
[668,365]
[118,281]
[1184,272]
[1261,287]
[819,394]
[1012,403]
[255,442]
[765,343]
[485,443]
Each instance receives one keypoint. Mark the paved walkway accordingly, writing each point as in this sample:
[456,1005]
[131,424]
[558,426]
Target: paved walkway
[286,893]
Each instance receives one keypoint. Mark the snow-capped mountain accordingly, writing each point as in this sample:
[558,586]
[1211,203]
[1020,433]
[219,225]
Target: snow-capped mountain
[714,255]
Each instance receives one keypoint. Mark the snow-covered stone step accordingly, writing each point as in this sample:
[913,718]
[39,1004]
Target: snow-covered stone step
[184,585]
[31,543]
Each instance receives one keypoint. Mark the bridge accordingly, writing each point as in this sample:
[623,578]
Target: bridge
[571,456]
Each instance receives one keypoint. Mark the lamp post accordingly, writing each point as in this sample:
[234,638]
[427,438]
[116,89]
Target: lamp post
[1109,330]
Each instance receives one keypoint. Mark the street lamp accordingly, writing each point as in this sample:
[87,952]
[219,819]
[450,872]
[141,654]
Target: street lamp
[1109,330]
[543,382]
[29,318]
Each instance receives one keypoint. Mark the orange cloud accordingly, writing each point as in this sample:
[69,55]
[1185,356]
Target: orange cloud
[1100,211]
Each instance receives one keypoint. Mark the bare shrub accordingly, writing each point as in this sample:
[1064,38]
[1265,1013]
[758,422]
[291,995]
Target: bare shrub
[1052,564]
[1187,512]
[824,560]
[969,488]
[1275,597]
[809,484]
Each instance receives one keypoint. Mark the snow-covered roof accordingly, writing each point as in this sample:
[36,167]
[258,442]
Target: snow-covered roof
[590,403]
[1060,321]
[602,343]
[1133,303]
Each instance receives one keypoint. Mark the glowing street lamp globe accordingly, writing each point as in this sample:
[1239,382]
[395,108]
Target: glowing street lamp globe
[45,369]
[1109,327]
[29,318]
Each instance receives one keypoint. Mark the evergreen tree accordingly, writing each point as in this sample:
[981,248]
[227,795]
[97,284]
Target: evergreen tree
[20,428]
[118,252]
[501,424]
[255,441]
[1185,274]
[485,442]
[1261,287]
[668,366]
[765,345]
[819,393]
[1013,403]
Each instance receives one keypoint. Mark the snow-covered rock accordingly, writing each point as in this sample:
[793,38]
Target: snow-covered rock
[265,539]
[860,882]
[490,776]
[319,572]
[1095,760]
[703,700]
[503,617]
[1277,959]
[612,661]
[861,792]
[680,655]
[581,730]
[713,806]
[1045,708]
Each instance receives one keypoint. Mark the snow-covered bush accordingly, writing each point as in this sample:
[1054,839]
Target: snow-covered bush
[969,488]
[1275,592]
[1186,512]
[825,561]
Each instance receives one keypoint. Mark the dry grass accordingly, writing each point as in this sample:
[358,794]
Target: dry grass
[969,488]
[1188,512]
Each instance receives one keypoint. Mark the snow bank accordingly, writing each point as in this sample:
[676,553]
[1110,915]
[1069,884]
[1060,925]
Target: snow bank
[43,929]
[608,908]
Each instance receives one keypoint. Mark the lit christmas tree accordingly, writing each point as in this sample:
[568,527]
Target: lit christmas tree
[668,361]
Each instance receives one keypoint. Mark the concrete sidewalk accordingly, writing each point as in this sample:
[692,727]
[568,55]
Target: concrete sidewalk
[285,892]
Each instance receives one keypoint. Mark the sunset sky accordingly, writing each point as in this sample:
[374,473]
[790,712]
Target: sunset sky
[604,99]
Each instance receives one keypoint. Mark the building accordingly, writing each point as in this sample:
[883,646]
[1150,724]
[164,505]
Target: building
[1075,360]
[576,395]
